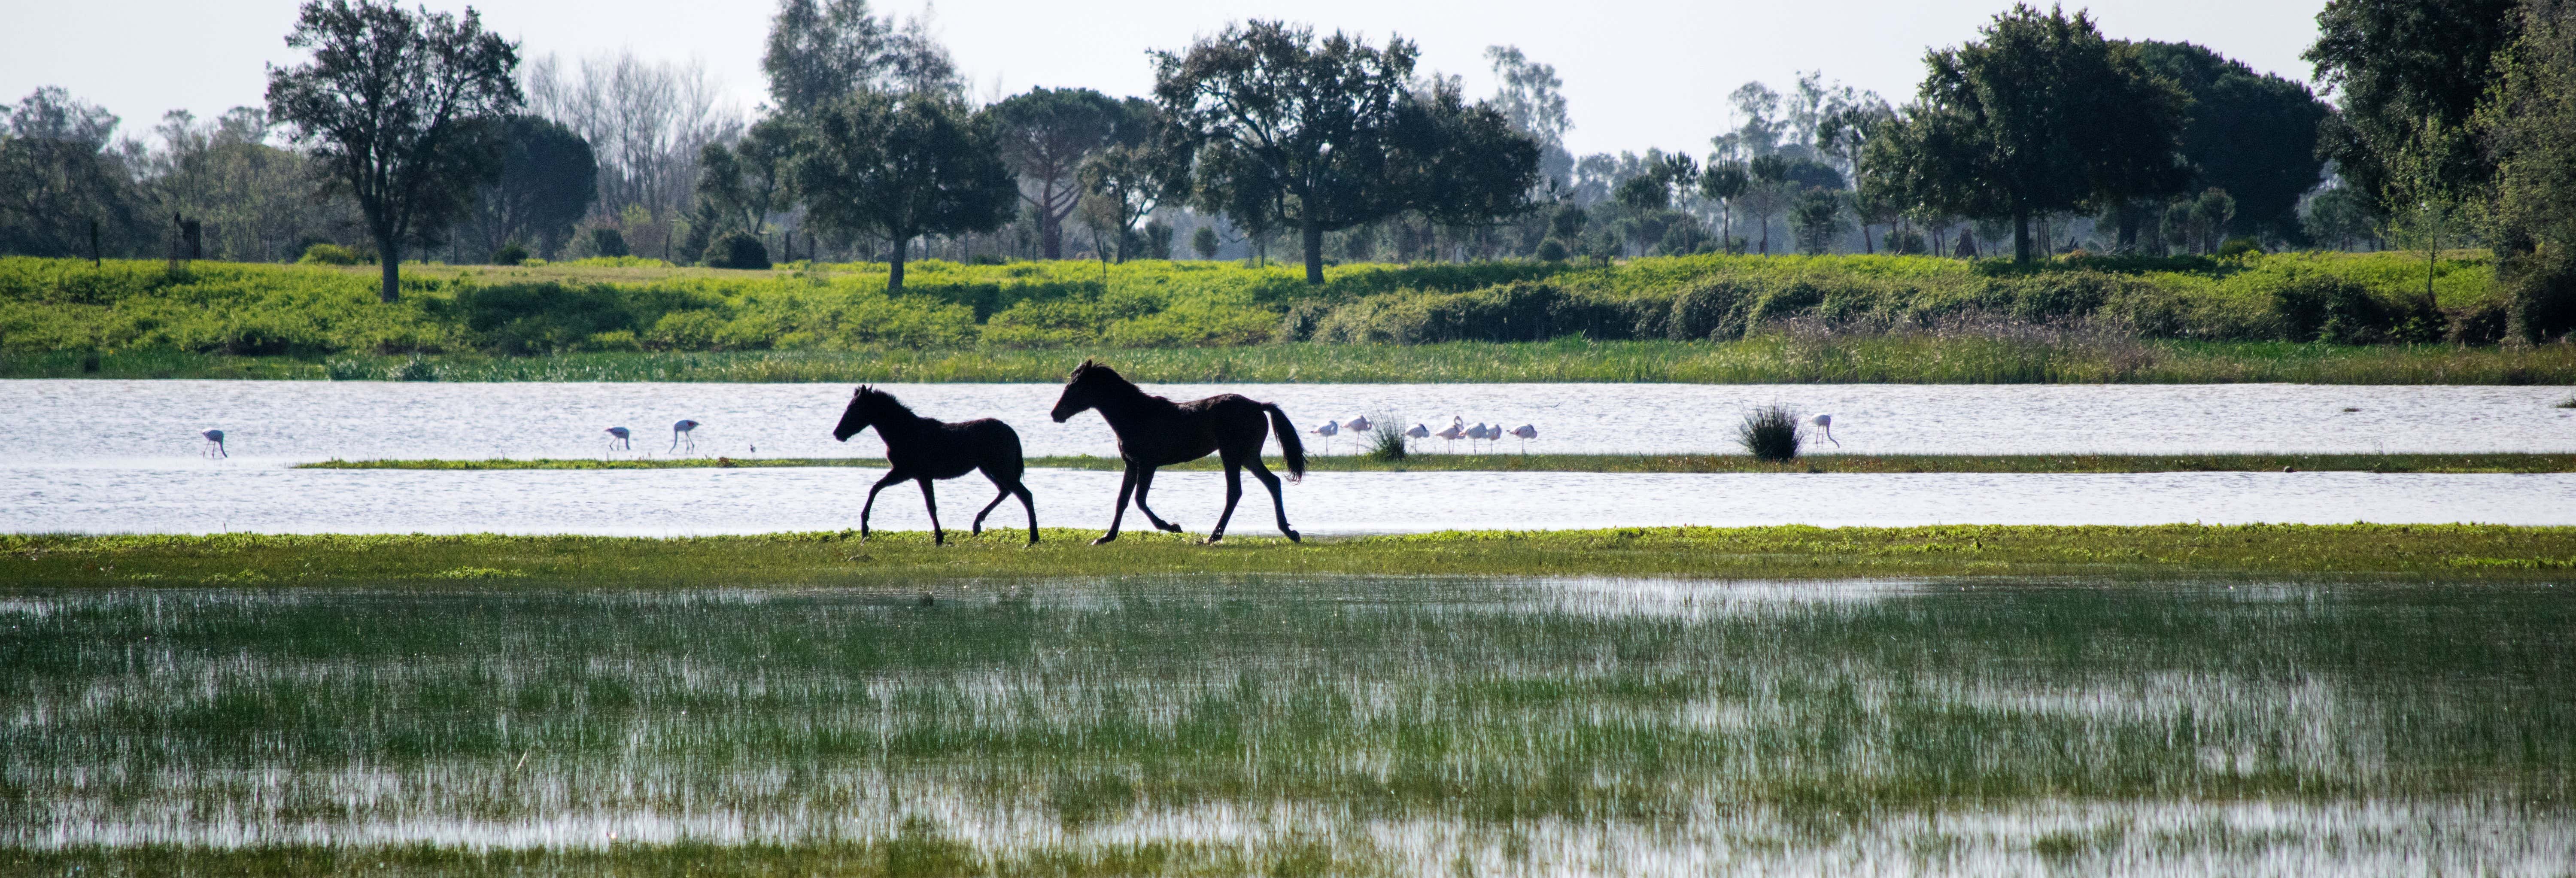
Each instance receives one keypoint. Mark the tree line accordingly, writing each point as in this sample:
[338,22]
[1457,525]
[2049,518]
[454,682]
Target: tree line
[421,132]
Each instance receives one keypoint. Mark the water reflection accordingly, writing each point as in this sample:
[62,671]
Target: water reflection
[1418,725]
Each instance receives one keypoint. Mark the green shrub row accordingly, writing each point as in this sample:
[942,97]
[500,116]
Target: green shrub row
[229,308]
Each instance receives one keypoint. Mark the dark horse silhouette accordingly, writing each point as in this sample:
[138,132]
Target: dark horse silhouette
[922,450]
[1153,431]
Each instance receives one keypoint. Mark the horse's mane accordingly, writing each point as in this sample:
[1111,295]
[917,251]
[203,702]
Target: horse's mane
[1096,372]
[883,401]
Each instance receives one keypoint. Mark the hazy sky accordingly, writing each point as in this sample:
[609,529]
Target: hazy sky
[1637,73]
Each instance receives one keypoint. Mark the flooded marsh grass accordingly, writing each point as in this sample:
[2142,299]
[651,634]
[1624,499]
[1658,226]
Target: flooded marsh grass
[1293,725]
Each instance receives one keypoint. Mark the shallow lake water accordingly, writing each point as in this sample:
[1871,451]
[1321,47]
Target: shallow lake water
[1415,726]
[122,456]
[88,421]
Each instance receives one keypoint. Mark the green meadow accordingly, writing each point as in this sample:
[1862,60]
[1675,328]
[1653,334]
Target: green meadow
[2321,318]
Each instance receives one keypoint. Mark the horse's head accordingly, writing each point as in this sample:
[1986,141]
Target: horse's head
[861,414]
[1082,389]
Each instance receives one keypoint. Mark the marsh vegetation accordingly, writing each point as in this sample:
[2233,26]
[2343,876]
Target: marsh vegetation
[1201,724]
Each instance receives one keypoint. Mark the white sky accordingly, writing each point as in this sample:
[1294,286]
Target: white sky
[1637,73]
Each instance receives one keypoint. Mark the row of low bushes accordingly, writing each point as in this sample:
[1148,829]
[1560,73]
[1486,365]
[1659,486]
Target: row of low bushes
[2289,302]
[267,309]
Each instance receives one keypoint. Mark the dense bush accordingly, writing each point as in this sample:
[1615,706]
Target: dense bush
[738,250]
[610,304]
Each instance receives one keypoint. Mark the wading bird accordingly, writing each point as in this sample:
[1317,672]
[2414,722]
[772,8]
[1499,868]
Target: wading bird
[1358,425]
[214,443]
[1456,430]
[684,430]
[1527,433]
[1327,430]
[1418,432]
[617,438]
[1826,423]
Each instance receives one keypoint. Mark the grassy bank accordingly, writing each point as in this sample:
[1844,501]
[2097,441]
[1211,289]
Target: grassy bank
[1769,359]
[2454,552]
[2081,307]
[1647,463]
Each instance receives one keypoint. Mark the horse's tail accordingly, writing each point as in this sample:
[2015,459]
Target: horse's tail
[1289,447]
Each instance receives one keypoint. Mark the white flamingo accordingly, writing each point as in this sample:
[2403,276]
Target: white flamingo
[1358,425]
[1527,433]
[1327,430]
[617,437]
[214,444]
[1826,423]
[1456,430]
[1418,432]
[1477,433]
[684,430]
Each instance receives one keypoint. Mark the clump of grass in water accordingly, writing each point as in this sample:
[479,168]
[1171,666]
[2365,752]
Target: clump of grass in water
[2568,403]
[1771,433]
[1385,441]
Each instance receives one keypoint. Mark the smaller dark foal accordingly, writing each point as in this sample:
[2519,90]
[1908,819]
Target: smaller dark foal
[924,450]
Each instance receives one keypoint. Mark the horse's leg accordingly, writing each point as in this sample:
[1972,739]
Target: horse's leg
[988,510]
[1126,488]
[891,477]
[1277,503]
[1233,492]
[1032,506]
[932,500]
[1144,483]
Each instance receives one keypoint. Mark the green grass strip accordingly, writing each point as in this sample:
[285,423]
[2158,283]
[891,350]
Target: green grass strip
[1764,360]
[1649,463]
[903,559]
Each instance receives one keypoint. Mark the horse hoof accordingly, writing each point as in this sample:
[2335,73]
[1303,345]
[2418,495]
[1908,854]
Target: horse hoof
[1212,539]
[1292,536]
[1167,526]
[1104,540]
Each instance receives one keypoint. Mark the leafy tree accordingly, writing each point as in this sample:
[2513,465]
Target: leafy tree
[2201,221]
[1724,182]
[1047,133]
[2395,64]
[820,51]
[1203,242]
[258,202]
[2042,115]
[1532,98]
[1121,186]
[2254,135]
[902,167]
[1759,132]
[548,181]
[1461,166]
[2341,215]
[2529,129]
[396,105]
[58,177]
[1285,131]
[1819,220]
[606,241]
[741,185]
